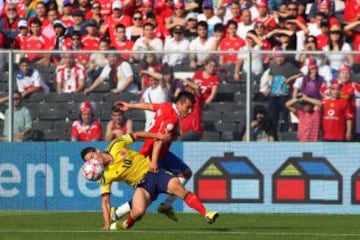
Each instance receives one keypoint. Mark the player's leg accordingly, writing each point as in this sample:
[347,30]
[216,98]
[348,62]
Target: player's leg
[179,168]
[174,187]
[118,212]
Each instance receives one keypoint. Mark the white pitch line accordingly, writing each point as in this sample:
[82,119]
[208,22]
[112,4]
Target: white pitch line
[192,232]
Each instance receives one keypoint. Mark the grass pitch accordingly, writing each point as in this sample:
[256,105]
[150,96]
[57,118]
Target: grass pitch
[79,225]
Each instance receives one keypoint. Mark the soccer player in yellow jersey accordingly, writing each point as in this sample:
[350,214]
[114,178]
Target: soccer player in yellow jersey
[124,164]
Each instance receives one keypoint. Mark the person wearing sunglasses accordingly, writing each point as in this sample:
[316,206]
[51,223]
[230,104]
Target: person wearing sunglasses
[135,31]
[22,125]
[178,18]
[337,44]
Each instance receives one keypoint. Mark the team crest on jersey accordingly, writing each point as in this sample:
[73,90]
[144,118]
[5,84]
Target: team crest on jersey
[170,127]
[122,153]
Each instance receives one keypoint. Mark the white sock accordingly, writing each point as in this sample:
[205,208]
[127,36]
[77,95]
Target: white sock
[171,198]
[123,209]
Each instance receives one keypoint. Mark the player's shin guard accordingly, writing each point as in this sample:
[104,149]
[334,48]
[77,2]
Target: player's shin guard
[194,202]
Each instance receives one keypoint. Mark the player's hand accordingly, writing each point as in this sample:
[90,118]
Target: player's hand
[153,167]
[123,106]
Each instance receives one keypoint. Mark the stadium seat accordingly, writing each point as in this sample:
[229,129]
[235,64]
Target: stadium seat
[139,125]
[62,125]
[92,97]
[227,136]
[42,125]
[234,117]
[137,115]
[226,127]
[105,115]
[124,96]
[59,97]
[55,135]
[210,136]
[68,106]
[223,107]
[35,97]
[211,116]
[52,114]
[103,88]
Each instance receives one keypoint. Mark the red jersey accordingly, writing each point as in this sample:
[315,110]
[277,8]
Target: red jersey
[193,122]
[351,10]
[106,7]
[205,84]
[165,121]
[356,46]
[36,43]
[88,133]
[121,128]
[335,114]
[322,41]
[90,43]
[228,43]
[125,47]
[112,22]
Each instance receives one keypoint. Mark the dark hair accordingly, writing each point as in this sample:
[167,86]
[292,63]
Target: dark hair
[203,24]
[185,95]
[86,151]
[149,25]
[24,60]
[120,25]
[76,34]
[35,20]
[231,22]
[219,27]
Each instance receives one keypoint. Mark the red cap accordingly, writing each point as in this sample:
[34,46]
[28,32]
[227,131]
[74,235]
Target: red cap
[335,85]
[312,63]
[147,3]
[261,3]
[345,67]
[85,107]
[179,5]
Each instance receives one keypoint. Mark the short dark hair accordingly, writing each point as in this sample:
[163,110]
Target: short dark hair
[203,24]
[116,109]
[24,60]
[86,151]
[185,95]
[219,27]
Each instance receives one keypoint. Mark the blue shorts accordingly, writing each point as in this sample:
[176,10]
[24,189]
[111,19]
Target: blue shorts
[156,183]
[173,164]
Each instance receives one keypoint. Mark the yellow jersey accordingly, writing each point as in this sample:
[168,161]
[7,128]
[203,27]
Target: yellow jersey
[127,166]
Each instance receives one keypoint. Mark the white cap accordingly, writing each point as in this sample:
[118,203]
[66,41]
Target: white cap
[58,22]
[191,15]
[22,23]
[116,5]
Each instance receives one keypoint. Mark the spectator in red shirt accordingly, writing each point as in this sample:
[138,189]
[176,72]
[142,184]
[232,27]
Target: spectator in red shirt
[149,63]
[9,23]
[337,117]
[73,43]
[309,117]
[159,29]
[122,43]
[323,37]
[118,125]
[67,10]
[84,6]
[86,128]
[91,40]
[23,34]
[36,41]
[231,42]
[117,16]
[353,31]
[208,81]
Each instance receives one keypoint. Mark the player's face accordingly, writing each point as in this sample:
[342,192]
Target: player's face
[185,108]
[116,117]
[93,155]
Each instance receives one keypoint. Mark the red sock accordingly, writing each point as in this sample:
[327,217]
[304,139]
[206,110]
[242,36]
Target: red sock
[194,202]
[129,222]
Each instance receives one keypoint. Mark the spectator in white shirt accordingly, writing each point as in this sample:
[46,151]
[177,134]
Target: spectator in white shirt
[28,79]
[179,44]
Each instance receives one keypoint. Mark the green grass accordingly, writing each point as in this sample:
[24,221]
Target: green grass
[78,225]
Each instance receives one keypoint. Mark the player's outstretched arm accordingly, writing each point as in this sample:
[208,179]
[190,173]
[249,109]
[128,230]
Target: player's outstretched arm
[125,106]
[105,206]
[157,136]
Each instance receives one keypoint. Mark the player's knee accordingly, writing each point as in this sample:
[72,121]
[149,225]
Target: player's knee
[138,212]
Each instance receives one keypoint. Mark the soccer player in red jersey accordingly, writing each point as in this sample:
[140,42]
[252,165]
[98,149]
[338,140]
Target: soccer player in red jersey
[337,116]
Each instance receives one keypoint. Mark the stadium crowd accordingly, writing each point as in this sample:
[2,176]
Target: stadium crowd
[201,26]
